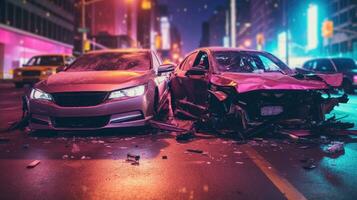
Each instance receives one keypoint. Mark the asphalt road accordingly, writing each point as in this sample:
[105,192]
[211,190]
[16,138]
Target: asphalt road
[92,165]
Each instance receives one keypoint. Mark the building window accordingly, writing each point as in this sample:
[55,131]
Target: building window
[2,11]
[18,17]
[10,14]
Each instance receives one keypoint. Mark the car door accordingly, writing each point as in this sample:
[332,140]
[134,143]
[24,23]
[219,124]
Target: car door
[190,91]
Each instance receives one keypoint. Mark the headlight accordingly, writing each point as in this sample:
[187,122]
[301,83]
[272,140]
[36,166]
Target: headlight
[38,94]
[47,72]
[130,92]
[18,73]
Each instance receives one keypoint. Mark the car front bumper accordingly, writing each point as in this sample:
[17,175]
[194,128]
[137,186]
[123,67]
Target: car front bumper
[131,112]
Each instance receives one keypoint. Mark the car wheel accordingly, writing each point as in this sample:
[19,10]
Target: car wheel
[347,87]
[19,85]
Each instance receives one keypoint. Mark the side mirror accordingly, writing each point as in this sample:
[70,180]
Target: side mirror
[166,68]
[61,68]
[197,71]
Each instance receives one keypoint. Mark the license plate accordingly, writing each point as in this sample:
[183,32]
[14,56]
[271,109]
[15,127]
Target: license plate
[271,110]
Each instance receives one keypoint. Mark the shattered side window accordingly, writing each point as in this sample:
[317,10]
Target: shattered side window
[109,61]
[249,62]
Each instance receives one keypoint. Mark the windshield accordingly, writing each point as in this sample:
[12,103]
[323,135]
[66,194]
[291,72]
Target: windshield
[46,61]
[249,62]
[135,61]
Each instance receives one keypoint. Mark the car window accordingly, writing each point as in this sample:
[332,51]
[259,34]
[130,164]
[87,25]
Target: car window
[46,61]
[308,65]
[109,61]
[202,60]
[69,60]
[344,64]
[155,62]
[249,62]
[324,66]
[188,63]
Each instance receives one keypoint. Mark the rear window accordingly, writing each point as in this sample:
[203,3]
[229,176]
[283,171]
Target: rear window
[345,64]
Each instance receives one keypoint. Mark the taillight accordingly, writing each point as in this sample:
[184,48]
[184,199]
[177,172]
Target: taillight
[355,78]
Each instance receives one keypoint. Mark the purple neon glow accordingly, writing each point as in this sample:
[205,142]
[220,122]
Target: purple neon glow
[20,46]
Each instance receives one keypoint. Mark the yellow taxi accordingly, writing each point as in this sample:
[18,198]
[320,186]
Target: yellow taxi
[39,68]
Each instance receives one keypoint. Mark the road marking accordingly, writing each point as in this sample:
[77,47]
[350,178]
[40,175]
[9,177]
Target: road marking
[280,182]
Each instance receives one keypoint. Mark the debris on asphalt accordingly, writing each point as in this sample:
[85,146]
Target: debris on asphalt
[323,139]
[258,139]
[194,151]
[75,148]
[308,163]
[130,156]
[237,152]
[133,159]
[185,136]
[335,147]
[239,162]
[85,158]
[304,147]
[166,126]
[25,146]
[164,157]
[33,164]
[64,157]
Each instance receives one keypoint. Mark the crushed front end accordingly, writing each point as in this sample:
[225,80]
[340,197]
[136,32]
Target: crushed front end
[290,109]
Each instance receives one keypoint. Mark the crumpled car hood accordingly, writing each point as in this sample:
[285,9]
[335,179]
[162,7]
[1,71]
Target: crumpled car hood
[245,82]
[93,81]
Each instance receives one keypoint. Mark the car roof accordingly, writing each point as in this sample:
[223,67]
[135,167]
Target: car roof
[54,54]
[217,48]
[128,50]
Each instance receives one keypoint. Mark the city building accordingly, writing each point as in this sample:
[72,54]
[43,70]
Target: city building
[244,24]
[108,23]
[217,27]
[204,42]
[147,23]
[32,27]
[267,19]
[343,13]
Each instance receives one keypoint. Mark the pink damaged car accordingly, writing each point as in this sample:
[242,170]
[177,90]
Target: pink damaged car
[101,89]
[248,91]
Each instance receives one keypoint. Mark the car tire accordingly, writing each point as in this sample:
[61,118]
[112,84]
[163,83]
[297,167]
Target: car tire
[347,87]
[19,85]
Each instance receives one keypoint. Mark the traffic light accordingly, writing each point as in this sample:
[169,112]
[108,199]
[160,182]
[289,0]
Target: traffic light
[86,45]
[146,5]
[260,38]
[327,29]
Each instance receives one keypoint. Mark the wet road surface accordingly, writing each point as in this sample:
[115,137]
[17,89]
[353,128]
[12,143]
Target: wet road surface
[92,165]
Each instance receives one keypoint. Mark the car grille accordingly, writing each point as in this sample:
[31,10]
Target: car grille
[80,122]
[31,73]
[79,99]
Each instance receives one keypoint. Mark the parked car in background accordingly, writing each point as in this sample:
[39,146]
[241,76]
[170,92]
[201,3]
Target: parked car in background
[230,88]
[346,66]
[102,89]
[39,68]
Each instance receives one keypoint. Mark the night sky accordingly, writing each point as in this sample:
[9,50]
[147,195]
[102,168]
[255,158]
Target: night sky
[188,16]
